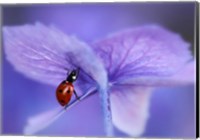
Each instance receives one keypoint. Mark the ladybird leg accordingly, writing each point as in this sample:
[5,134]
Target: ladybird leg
[76,95]
[68,72]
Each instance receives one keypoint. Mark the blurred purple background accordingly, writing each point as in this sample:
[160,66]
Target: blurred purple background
[172,109]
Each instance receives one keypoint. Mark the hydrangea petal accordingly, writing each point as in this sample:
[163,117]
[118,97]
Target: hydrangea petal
[143,51]
[130,109]
[184,76]
[46,54]
[40,121]
[44,119]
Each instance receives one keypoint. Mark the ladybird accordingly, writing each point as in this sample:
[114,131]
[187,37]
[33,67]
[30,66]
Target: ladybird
[66,89]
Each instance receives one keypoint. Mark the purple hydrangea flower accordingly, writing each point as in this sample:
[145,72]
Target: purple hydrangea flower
[124,69]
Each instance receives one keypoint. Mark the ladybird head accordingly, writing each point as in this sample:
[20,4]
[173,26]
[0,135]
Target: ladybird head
[73,75]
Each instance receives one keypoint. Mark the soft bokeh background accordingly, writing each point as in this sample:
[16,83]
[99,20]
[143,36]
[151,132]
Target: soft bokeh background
[172,109]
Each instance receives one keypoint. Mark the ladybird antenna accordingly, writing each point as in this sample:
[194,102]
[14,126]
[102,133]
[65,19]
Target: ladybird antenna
[78,69]
[68,72]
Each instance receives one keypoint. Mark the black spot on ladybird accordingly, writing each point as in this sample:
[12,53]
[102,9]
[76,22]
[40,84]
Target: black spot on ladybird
[62,101]
[60,90]
[68,91]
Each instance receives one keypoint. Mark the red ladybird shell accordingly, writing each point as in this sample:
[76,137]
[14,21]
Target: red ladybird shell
[64,92]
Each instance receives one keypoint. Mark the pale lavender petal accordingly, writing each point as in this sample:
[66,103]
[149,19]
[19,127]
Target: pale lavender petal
[41,121]
[143,52]
[44,119]
[185,76]
[30,49]
[148,55]
[46,54]
[130,109]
